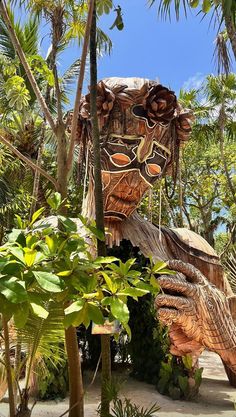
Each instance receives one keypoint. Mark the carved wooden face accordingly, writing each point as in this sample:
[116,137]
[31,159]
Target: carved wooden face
[131,163]
[137,118]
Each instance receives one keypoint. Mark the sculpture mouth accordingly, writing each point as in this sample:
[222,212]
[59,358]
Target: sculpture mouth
[118,207]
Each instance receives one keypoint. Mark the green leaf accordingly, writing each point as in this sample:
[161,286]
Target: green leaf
[21,315]
[187,361]
[54,201]
[36,215]
[95,314]
[68,224]
[105,259]
[75,307]
[119,310]
[112,286]
[98,233]
[133,292]
[206,6]
[154,282]
[194,3]
[18,253]
[49,281]
[52,243]
[29,257]
[198,376]
[127,329]
[12,290]
[183,383]
[158,266]
[39,311]
[65,273]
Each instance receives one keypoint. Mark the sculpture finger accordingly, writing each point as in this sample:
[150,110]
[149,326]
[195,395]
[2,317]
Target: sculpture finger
[191,273]
[168,316]
[173,301]
[176,284]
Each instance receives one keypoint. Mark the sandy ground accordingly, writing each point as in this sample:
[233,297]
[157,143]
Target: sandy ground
[216,397]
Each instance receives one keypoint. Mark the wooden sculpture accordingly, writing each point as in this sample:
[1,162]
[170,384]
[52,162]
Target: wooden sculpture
[142,126]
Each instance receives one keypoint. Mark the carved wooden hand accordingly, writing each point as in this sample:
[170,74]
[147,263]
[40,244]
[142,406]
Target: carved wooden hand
[198,313]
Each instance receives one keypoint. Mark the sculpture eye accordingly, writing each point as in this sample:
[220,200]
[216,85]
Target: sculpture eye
[153,169]
[120,159]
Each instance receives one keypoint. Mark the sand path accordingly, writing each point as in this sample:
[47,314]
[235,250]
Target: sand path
[216,397]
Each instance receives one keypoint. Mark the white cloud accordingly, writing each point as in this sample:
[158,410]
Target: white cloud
[194,82]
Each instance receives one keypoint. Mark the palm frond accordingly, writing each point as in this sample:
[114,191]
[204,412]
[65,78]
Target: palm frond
[230,266]
[222,54]
[40,336]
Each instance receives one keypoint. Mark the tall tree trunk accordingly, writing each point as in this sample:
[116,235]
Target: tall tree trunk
[20,53]
[101,246]
[231,31]
[76,403]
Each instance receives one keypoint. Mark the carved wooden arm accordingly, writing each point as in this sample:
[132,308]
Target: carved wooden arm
[198,313]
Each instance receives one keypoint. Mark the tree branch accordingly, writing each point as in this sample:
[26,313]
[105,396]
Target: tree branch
[29,162]
[20,52]
[79,86]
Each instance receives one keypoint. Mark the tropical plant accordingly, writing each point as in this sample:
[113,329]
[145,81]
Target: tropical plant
[223,11]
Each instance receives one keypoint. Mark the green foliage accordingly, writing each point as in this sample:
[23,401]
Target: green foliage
[53,382]
[179,379]
[125,408]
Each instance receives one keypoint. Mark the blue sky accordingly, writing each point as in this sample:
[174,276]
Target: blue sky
[179,54]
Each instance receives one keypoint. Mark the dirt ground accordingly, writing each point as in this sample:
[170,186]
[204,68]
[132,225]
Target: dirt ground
[216,397]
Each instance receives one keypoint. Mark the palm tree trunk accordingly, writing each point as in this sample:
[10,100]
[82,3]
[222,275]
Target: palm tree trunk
[101,246]
[79,86]
[231,31]
[23,60]
[36,184]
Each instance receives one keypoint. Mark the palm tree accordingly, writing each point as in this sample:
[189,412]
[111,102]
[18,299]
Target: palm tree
[223,11]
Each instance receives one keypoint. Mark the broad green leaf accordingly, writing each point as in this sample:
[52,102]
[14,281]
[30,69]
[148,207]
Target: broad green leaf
[54,201]
[21,315]
[119,310]
[111,285]
[39,311]
[51,242]
[106,301]
[12,290]
[68,224]
[105,259]
[36,215]
[78,317]
[98,233]
[158,266]
[154,282]
[95,314]
[18,253]
[49,281]
[133,292]
[29,257]
[75,307]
